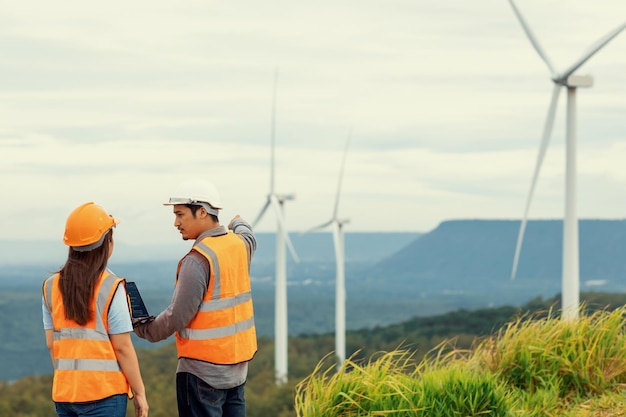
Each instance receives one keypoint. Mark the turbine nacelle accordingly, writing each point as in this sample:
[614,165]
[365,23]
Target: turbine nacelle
[283,197]
[341,222]
[575,81]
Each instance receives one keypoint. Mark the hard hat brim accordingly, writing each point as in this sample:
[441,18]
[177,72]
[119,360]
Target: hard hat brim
[99,242]
[175,200]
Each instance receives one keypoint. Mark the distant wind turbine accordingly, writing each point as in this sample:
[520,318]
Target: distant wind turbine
[570,273]
[340,287]
[276,202]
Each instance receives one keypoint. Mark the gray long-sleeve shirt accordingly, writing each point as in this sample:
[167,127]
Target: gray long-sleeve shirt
[193,282]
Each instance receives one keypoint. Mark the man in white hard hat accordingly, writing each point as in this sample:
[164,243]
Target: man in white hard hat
[211,311]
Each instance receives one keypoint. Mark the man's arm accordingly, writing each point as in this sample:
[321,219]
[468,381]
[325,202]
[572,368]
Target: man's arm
[188,295]
[244,230]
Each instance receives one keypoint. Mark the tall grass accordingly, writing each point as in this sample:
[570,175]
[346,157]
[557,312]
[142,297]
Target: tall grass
[576,358]
[391,385]
[533,366]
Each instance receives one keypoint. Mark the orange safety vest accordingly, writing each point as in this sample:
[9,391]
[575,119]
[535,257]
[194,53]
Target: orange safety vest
[223,330]
[85,365]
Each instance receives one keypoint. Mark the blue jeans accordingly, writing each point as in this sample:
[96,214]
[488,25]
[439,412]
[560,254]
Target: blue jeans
[196,398]
[113,406]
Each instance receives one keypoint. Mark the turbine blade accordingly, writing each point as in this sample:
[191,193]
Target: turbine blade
[545,140]
[261,213]
[591,51]
[273,131]
[341,170]
[532,37]
[321,226]
[283,228]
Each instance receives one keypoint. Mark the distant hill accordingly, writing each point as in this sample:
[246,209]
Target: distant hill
[476,256]
[459,257]
[310,247]
[20,266]
[361,247]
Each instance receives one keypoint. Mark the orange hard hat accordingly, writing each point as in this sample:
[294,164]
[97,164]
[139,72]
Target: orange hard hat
[86,227]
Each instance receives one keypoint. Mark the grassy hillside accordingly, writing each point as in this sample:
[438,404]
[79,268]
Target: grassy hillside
[534,366]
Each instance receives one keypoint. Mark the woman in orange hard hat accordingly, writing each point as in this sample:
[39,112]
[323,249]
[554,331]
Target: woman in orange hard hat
[87,324]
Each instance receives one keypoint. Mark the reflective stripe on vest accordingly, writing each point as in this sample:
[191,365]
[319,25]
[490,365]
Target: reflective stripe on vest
[226,302]
[217,332]
[85,364]
[221,304]
[87,334]
[223,330]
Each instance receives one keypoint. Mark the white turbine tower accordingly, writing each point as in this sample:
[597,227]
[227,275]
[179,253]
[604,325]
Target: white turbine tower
[570,273]
[276,202]
[340,279]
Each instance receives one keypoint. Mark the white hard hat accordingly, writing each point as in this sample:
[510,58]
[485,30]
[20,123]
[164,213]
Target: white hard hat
[196,191]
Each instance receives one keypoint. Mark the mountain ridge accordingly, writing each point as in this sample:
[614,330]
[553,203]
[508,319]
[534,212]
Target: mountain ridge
[481,252]
[311,247]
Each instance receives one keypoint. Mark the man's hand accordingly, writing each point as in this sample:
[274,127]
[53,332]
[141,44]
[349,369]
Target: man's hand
[139,322]
[230,225]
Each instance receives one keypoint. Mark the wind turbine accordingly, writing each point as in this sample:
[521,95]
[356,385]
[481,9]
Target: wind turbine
[340,286]
[276,202]
[570,280]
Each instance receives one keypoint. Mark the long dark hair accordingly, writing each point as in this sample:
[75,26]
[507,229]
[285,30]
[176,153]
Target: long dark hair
[78,279]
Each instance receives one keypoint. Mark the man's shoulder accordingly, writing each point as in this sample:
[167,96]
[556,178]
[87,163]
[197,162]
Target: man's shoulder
[195,256]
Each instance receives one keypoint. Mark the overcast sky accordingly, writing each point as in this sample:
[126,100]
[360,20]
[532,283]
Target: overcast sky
[116,102]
